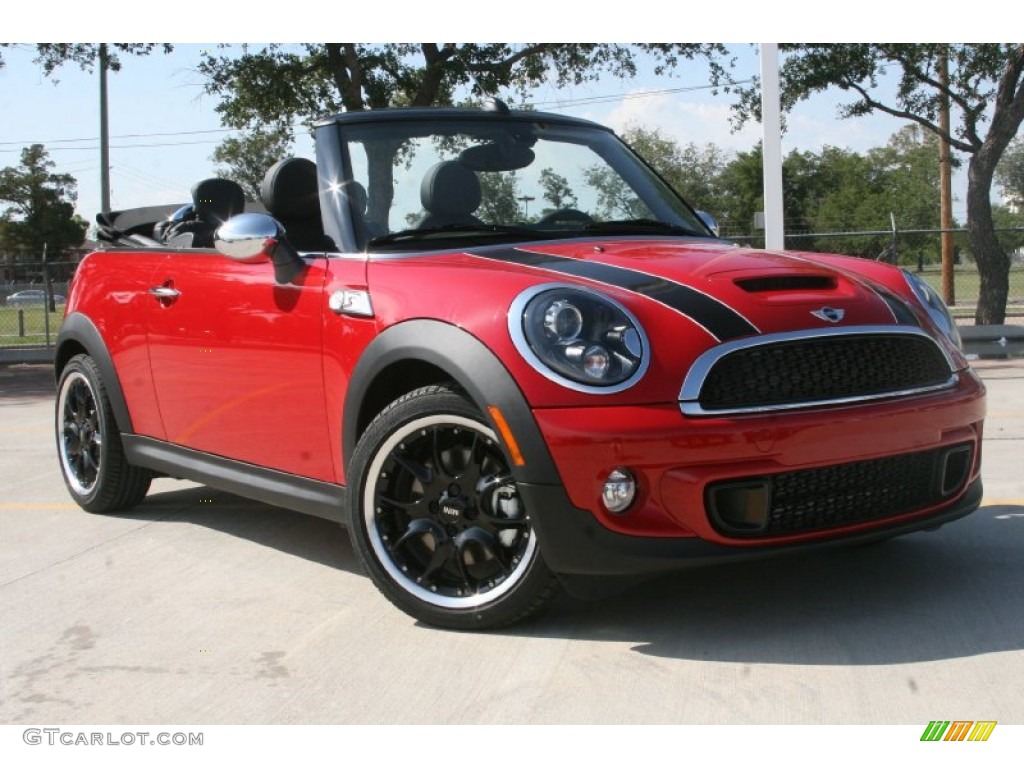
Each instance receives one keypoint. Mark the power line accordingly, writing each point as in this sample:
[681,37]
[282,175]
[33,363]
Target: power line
[587,100]
[583,101]
[122,146]
[122,136]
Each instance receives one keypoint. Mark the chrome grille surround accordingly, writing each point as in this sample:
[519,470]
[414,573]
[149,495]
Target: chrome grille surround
[694,383]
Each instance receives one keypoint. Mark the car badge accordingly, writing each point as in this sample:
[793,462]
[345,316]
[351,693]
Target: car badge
[829,314]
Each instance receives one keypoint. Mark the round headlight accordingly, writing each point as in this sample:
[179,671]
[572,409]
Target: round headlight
[579,338]
[934,306]
[563,320]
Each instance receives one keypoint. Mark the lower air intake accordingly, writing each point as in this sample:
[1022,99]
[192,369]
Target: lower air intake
[832,497]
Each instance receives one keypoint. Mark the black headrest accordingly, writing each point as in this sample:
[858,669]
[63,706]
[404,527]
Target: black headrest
[290,189]
[217,200]
[357,196]
[450,189]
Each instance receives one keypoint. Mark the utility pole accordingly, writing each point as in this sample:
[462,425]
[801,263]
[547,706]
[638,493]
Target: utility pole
[104,135]
[771,123]
[945,184]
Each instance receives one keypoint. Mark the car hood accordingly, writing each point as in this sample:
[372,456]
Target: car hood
[728,291]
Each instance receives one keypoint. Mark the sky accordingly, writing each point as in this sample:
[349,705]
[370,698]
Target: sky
[164,128]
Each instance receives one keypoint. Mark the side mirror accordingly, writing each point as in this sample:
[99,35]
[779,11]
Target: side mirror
[251,238]
[710,222]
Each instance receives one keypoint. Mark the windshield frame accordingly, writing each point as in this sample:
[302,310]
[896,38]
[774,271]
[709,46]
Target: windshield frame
[402,125]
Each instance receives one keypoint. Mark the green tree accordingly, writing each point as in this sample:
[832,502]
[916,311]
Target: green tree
[742,193]
[615,199]
[246,158]
[557,191]
[499,202]
[1010,173]
[52,56]
[39,206]
[985,90]
[694,171]
[278,85]
[1007,218]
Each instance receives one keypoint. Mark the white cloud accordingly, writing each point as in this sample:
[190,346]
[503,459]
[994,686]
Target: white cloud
[684,120]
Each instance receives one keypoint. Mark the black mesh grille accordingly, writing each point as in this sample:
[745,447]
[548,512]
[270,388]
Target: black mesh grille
[822,368]
[830,497]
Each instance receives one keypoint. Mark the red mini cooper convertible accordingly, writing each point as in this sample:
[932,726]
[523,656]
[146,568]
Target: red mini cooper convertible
[508,357]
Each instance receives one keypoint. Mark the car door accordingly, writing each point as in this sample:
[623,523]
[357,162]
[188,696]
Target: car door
[237,361]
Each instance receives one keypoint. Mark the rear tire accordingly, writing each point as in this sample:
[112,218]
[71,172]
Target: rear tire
[436,518]
[92,459]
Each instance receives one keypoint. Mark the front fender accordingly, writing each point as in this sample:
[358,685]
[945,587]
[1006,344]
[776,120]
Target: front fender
[463,359]
[77,334]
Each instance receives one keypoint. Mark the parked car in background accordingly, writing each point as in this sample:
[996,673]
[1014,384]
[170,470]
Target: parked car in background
[31,298]
[503,352]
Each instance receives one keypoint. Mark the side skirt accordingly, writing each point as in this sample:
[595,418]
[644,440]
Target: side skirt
[312,497]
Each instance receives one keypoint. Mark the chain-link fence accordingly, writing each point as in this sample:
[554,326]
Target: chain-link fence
[917,250]
[32,297]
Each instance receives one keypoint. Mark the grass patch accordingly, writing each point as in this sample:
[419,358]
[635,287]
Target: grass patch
[31,329]
[967,283]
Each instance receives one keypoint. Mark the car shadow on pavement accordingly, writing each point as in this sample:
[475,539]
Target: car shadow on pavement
[293,533]
[955,593]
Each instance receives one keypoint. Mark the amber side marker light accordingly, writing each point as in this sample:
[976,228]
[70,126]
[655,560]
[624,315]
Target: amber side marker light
[506,435]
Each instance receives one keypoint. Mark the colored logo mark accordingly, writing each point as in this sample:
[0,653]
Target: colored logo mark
[958,730]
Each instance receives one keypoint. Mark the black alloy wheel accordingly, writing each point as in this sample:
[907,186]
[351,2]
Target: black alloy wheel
[437,518]
[92,459]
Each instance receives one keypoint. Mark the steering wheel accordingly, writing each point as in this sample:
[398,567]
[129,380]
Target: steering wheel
[565,216]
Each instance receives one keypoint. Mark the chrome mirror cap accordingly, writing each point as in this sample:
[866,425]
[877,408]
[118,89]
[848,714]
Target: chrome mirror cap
[248,237]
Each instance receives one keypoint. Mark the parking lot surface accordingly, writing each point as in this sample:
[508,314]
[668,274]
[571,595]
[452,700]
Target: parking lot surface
[200,607]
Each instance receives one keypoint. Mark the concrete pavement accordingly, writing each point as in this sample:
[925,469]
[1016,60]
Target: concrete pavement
[201,608]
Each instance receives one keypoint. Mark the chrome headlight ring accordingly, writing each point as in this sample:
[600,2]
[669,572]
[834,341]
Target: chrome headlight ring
[579,338]
[936,308]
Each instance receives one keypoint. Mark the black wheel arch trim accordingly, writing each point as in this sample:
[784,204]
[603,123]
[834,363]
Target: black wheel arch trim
[79,329]
[469,364]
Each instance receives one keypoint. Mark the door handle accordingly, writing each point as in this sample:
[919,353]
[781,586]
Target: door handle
[164,292]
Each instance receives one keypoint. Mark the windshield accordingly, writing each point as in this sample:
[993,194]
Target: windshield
[421,183]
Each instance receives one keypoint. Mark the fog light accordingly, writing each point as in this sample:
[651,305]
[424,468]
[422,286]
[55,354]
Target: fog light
[619,490]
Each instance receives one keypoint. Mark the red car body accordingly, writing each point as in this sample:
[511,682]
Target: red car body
[218,370]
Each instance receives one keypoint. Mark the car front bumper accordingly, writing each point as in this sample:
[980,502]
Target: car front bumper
[677,459]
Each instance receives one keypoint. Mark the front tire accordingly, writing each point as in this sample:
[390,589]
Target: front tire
[437,520]
[92,458]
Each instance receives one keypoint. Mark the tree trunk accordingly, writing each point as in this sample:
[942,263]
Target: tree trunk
[993,263]
[380,157]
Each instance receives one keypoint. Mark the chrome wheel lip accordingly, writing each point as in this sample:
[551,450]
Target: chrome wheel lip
[71,474]
[380,548]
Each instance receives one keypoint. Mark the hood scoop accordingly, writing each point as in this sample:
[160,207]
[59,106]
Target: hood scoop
[787,283]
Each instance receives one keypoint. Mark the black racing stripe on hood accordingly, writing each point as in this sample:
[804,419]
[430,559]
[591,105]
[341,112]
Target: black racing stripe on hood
[719,320]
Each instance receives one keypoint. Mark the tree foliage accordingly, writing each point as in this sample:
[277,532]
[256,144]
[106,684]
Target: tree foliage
[39,206]
[52,56]
[694,171]
[985,91]
[277,84]
[246,158]
[831,190]
[1010,173]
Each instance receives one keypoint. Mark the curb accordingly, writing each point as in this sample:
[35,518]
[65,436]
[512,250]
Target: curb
[993,340]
